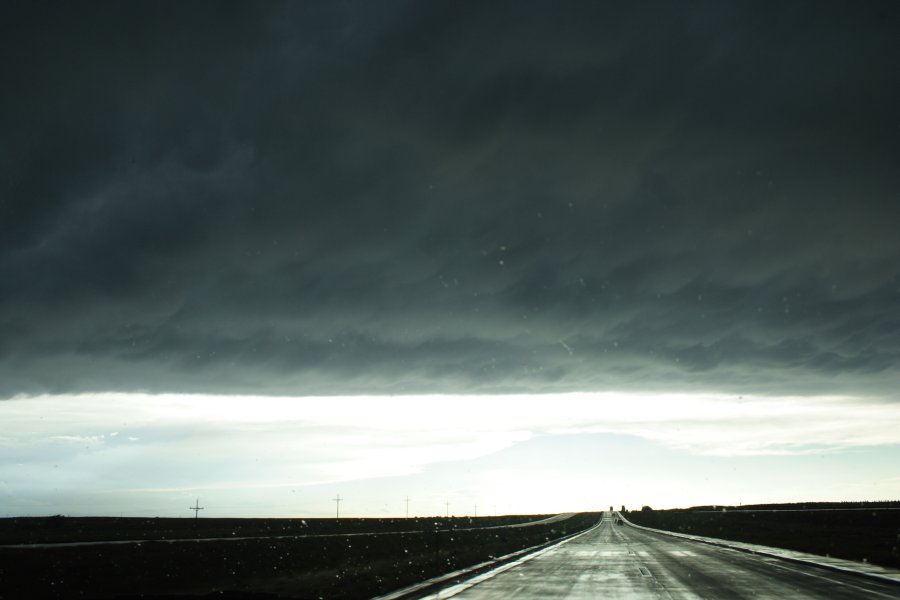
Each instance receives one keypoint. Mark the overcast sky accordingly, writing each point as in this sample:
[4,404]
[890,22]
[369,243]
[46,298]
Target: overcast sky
[376,198]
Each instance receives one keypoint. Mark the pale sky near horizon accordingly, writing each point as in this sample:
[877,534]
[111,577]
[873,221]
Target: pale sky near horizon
[143,455]
[543,256]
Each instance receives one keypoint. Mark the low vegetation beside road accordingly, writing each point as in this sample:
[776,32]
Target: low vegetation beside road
[864,531]
[321,558]
[60,529]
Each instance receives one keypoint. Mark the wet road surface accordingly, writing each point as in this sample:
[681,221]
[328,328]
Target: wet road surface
[621,562]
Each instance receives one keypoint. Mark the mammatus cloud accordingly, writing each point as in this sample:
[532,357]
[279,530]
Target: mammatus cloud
[412,199]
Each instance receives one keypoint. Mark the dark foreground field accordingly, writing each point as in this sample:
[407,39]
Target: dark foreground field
[867,532]
[292,558]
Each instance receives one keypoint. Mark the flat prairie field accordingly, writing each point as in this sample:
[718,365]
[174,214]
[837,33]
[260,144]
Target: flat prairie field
[861,533]
[64,557]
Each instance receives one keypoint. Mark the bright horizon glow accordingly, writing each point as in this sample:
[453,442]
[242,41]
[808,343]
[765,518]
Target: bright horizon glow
[117,453]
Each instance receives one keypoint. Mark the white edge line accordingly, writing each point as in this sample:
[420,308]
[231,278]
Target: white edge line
[461,587]
[840,583]
[774,553]
[404,592]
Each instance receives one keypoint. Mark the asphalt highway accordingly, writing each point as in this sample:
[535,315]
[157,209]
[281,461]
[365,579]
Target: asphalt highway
[621,562]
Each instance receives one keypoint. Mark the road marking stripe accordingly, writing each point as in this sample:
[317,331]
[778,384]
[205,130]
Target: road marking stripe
[461,587]
[829,579]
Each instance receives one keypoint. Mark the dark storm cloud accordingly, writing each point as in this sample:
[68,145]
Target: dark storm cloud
[413,197]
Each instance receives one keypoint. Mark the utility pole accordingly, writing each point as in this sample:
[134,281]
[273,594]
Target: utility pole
[338,502]
[476,509]
[448,508]
[407,507]
[196,508]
